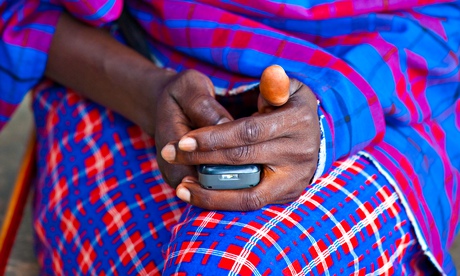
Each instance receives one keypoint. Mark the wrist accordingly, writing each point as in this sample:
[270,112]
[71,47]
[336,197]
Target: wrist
[146,97]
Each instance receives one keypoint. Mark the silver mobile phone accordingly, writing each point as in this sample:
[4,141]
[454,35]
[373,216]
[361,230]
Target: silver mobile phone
[228,177]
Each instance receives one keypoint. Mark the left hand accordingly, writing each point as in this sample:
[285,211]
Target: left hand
[285,141]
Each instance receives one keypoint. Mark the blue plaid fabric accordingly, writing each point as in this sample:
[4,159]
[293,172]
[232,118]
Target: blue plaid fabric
[386,74]
[102,208]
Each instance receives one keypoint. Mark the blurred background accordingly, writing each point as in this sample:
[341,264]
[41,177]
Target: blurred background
[13,140]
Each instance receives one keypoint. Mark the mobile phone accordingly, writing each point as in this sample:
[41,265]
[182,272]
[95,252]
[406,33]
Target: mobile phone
[228,177]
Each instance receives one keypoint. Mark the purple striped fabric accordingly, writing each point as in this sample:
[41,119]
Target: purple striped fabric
[386,74]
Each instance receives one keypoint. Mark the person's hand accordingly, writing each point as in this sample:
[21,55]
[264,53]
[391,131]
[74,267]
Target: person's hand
[186,103]
[285,141]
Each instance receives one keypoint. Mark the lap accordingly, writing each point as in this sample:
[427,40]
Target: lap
[100,200]
[350,220]
[102,206]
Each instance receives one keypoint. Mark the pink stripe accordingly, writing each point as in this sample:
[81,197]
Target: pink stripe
[431,23]
[32,38]
[29,38]
[434,134]
[271,46]
[319,11]
[457,114]
[7,109]
[390,56]
[417,71]
[81,9]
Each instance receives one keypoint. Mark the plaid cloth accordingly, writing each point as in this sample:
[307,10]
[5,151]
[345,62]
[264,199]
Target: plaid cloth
[102,208]
[386,74]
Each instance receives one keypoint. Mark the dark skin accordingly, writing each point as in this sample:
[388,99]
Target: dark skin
[189,125]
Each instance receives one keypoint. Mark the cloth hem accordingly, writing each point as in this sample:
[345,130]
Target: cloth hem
[322,156]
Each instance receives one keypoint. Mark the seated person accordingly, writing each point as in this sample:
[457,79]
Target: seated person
[360,166]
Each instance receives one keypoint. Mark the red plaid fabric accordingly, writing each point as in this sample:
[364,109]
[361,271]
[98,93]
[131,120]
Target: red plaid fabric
[102,208]
[386,74]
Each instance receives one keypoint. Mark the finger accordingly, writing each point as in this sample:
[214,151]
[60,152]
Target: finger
[263,106]
[274,85]
[245,131]
[196,98]
[231,200]
[276,152]
[173,174]
[253,154]
[276,187]
[173,125]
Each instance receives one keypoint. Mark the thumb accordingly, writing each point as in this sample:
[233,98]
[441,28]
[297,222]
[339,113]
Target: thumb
[274,88]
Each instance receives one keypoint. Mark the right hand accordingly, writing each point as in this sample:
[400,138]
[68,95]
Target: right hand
[285,141]
[187,102]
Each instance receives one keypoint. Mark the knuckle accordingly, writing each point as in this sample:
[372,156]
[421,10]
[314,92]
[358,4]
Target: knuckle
[296,191]
[251,201]
[212,141]
[205,202]
[191,158]
[309,153]
[191,79]
[187,157]
[292,197]
[200,102]
[307,118]
[304,151]
[251,131]
[192,75]
[304,179]
[303,183]
[301,156]
[300,175]
[239,155]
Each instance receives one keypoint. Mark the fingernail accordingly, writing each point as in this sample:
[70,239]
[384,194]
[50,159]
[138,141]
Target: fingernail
[168,153]
[189,179]
[183,193]
[188,144]
[223,120]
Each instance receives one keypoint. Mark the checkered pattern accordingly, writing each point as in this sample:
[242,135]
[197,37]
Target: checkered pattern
[101,205]
[386,74]
[118,217]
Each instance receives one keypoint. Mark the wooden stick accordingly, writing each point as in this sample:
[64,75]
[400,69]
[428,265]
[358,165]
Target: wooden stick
[16,205]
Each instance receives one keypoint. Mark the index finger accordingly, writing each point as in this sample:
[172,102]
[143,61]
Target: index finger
[248,199]
[242,132]
[194,93]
